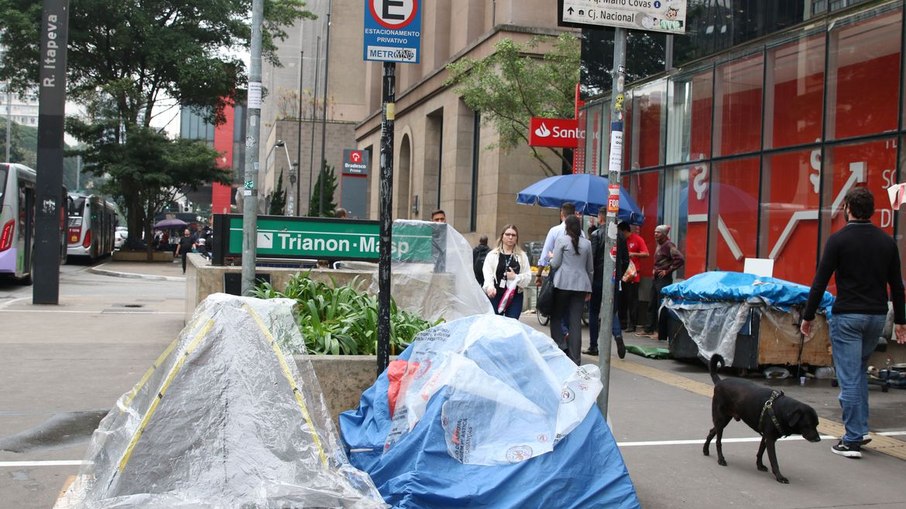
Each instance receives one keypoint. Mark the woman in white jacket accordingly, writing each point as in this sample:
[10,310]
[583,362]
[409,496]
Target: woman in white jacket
[507,263]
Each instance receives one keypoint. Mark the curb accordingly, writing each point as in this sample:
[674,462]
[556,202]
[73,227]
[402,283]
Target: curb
[132,275]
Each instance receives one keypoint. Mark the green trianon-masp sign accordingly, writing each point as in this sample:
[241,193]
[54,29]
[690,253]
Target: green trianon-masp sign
[338,239]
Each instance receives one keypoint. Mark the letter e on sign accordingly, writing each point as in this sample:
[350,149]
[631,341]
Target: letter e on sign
[393,14]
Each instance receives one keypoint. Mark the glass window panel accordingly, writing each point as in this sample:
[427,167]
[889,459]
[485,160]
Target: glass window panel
[738,97]
[795,92]
[689,121]
[733,211]
[789,214]
[863,75]
[649,114]
[870,164]
[694,213]
[645,188]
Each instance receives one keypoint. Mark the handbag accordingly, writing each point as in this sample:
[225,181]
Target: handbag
[630,273]
[545,303]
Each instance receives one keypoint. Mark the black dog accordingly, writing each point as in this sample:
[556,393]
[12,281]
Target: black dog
[768,412]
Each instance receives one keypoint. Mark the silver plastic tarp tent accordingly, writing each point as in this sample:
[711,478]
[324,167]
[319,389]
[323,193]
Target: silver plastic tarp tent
[223,419]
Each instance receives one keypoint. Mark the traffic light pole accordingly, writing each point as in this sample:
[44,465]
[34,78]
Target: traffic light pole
[615,168]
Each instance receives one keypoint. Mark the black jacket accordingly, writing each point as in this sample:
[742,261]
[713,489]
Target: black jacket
[598,253]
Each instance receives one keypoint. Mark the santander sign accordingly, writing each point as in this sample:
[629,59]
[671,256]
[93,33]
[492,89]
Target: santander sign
[555,132]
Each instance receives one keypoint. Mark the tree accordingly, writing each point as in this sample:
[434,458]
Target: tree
[147,171]
[127,58]
[278,199]
[515,83]
[23,143]
[328,179]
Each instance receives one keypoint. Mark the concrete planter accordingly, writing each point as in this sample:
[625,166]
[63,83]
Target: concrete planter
[343,378]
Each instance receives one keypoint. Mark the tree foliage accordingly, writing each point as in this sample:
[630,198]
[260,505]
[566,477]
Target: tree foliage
[328,179]
[124,59]
[278,199]
[146,170]
[138,51]
[516,83]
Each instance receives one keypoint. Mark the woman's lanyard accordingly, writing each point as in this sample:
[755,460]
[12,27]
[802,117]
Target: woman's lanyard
[506,266]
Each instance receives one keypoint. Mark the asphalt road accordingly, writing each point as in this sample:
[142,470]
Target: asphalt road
[62,366]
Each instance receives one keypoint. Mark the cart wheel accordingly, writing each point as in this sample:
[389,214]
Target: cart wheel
[834,383]
[884,388]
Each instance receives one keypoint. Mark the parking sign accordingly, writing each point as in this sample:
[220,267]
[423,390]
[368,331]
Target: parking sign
[393,30]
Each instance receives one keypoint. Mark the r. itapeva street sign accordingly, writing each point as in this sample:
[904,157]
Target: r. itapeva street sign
[652,15]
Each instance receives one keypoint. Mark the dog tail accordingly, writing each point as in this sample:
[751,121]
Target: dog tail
[717,362]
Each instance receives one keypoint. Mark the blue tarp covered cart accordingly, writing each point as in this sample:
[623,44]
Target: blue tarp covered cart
[750,320]
[487,412]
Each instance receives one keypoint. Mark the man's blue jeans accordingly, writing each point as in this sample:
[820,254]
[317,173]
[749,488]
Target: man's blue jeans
[853,339]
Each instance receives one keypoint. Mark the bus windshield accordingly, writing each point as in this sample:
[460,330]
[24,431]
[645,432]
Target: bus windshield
[78,206]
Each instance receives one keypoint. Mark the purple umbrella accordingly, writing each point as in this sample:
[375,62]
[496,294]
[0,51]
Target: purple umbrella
[171,223]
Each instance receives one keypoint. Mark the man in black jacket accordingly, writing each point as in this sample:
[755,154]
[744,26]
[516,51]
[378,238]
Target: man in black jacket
[865,261]
[597,284]
[479,253]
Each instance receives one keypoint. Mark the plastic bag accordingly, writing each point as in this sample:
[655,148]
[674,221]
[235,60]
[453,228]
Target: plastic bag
[630,273]
[507,296]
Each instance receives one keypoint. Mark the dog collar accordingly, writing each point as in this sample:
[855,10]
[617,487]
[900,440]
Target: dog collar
[768,409]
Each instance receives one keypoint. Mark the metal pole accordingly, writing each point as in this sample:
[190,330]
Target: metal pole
[9,119]
[386,214]
[613,206]
[311,168]
[253,128]
[324,114]
[299,145]
[291,188]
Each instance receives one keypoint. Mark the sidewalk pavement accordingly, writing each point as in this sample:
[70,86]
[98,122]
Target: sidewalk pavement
[659,411]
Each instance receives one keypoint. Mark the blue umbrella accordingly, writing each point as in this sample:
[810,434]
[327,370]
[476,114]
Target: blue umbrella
[588,192]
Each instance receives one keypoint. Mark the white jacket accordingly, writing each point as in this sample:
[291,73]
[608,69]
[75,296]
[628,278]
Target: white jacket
[489,269]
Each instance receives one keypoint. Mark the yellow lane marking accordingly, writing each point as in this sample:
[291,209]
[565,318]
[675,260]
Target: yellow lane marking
[879,443]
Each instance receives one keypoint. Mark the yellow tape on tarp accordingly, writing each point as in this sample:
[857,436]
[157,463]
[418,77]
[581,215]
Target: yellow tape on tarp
[170,377]
[292,382]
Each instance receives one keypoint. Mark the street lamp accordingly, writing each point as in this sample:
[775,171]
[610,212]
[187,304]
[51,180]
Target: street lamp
[292,169]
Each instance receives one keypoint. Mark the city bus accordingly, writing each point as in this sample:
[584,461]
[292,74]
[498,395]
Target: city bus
[91,233]
[17,221]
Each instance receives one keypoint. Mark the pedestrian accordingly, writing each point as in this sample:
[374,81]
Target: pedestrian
[865,261]
[667,260]
[572,259]
[620,253]
[341,213]
[566,209]
[506,264]
[479,253]
[629,291]
[185,246]
[439,216]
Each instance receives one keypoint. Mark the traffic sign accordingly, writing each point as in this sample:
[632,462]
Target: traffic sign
[650,15]
[393,31]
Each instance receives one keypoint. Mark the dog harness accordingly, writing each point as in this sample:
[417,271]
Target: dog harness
[768,409]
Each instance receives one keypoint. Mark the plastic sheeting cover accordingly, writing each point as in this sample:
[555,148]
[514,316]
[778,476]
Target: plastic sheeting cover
[741,287]
[715,306]
[487,412]
[223,419]
[445,289]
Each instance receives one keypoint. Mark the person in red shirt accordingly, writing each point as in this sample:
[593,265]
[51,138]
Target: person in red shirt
[629,296]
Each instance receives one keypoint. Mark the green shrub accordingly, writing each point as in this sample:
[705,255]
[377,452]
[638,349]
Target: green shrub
[342,320]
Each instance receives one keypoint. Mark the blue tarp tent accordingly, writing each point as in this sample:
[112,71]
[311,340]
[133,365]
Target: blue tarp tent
[487,412]
[741,287]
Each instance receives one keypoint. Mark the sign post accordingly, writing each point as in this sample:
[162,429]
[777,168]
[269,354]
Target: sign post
[49,199]
[652,16]
[392,34]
